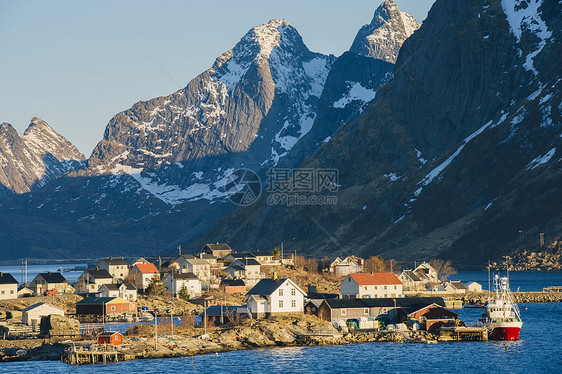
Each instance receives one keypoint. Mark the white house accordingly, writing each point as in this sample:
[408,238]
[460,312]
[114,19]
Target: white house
[427,273]
[474,287]
[50,281]
[248,270]
[455,287]
[371,285]
[200,267]
[174,282]
[347,265]
[217,250]
[142,274]
[411,281]
[32,314]
[8,286]
[92,279]
[125,291]
[274,296]
[117,267]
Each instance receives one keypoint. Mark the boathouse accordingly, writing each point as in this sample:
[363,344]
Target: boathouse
[110,338]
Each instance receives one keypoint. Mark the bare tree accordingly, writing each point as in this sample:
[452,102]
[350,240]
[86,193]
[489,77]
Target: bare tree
[374,264]
[444,268]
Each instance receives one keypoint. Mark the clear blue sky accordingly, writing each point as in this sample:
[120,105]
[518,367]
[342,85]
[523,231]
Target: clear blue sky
[76,64]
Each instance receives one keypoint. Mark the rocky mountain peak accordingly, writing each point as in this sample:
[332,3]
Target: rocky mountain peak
[383,37]
[42,139]
[30,160]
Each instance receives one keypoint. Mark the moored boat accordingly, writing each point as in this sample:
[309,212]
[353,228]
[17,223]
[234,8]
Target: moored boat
[501,315]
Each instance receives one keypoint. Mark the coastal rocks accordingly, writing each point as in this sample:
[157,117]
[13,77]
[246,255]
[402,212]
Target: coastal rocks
[59,326]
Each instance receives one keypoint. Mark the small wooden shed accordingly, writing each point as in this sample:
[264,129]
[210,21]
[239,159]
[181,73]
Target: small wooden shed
[110,337]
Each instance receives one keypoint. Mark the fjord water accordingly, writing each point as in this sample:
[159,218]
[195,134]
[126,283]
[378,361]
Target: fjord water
[538,351]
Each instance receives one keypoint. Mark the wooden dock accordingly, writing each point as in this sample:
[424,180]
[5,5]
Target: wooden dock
[98,355]
[462,333]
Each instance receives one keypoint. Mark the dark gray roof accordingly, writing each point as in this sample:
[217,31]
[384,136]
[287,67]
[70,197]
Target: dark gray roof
[99,273]
[7,278]
[412,275]
[188,256]
[233,282]
[184,276]
[238,255]
[236,267]
[32,307]
[218,247]
[458,285]
[115,286]
[248,261]
[115,261]
[53,277]
[38,305]
[410,303]
[215,310]
[266,286]
[108,334]
[95,300]
[207,256]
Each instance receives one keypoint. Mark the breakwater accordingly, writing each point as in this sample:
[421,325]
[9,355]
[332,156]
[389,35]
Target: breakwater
[519,297]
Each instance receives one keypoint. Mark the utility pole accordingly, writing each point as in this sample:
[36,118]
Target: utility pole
[205,318]
[26,271]
[103,315]
[179,249]
[172,321]
[281,252]
[222,319]
[155,331]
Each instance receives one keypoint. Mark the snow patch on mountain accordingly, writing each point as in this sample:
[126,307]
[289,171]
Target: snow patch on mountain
[356,92]
[541,159]
[439,169]
[524,15]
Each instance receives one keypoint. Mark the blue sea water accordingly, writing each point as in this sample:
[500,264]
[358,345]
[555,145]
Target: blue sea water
[538,351]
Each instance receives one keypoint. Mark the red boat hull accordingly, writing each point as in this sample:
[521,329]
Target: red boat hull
[505,333]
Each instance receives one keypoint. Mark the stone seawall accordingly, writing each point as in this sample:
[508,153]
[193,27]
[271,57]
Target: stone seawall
[519,297]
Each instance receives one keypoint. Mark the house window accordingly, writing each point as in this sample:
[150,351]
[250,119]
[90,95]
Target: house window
[385,287]
[12,291]
[280,303]
[394,286]
[281,292]
[3,292]
[113,307]
[293,303]
[366,311]
[293,292]
[375,288]
[343,312]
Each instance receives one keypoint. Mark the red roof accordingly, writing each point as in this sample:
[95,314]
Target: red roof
[367,279]
[147,268]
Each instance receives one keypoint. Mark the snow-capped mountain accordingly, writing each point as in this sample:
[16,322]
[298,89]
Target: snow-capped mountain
[386,33]
[248,110]
[38,156]
[458,156]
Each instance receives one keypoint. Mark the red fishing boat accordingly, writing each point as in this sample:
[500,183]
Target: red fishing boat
[501,316]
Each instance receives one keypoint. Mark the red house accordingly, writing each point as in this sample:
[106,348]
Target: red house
[232,286]
[110,337]
[433,316]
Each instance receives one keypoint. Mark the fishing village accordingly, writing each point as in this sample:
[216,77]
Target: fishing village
[220,300]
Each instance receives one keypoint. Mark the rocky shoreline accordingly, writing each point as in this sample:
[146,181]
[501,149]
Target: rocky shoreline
[250,334]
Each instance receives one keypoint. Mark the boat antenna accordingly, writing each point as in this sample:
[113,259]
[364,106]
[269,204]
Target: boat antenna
[489,285]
